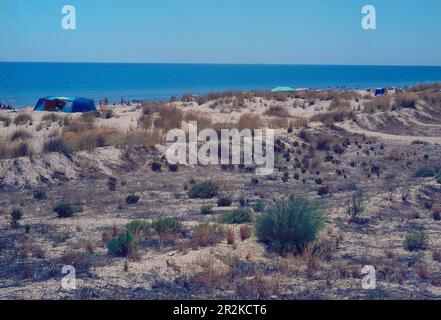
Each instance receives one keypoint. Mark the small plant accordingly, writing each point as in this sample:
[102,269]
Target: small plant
[436,214]
[419,142]
[245,232]
[204,190]
[111,183]
[138,228]
[224,202]
[259,206]
[16,216]
[40,195]
[66,210]
[231,238]
[290,225]
[355,206]
[237,216]
[424,173]
[416,241]
[132,199]
[123,245]
[27,228]
[438,178]
[206,210]
[167,226]
[323,191]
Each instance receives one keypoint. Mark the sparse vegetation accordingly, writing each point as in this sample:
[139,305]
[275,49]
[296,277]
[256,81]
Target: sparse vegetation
[22,119]
[16,216]
[167,226]
[123,245]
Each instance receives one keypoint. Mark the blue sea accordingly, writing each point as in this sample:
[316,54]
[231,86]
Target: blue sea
[21,84]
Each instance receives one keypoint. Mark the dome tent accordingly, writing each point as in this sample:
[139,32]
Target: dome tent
[65,104]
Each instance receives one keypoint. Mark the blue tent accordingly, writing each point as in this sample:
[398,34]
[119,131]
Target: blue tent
[65,104]
[380,92]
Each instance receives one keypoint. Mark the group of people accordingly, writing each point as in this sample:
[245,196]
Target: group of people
[5,107]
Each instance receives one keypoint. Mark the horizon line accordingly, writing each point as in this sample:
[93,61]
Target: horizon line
[230,64]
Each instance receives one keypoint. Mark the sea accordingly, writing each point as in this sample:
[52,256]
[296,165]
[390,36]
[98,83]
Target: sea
[22,84]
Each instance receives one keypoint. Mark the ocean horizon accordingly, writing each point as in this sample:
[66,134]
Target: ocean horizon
[22,83]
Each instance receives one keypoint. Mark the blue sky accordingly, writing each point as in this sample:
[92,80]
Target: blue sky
[223,31]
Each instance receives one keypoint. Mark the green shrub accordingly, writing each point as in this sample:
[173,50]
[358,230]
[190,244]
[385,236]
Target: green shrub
[224,202]
[438,178]
[416,241]
[66,210]
[204,190]
[424,173]
[39,195]
[290,225]
[237,216]
[122,246]
[167,225]
[206,210]
[259,206]
[138,227]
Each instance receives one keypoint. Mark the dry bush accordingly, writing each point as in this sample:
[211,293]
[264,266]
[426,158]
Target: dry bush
[250,121]
[338,115]
[218,126]
[395,155]
[169,118]
[278,123]
[22,119]
[202,118]
[436,255]
[323,142]
[316,162]
[206,234]
[208,275]
[258,287]
[277,111]
[79,125]
[299,123]
[51,117]
[231,238]
[422,271]
[6,120]
[338,104]
[405,100]
[90,139]
[245,232]
[142,138]
[20,135]
[382,103]
[349,95]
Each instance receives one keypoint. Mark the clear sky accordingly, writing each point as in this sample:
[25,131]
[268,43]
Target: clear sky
[223,31]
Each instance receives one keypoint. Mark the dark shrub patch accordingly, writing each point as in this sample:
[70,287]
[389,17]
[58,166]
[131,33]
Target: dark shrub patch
[56,145]
[206,210]
[416,241]
[66,210]
[156,166]
[204,190]
[424,173]
[39,195]
[132,199]
[224,202]
[323,191]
